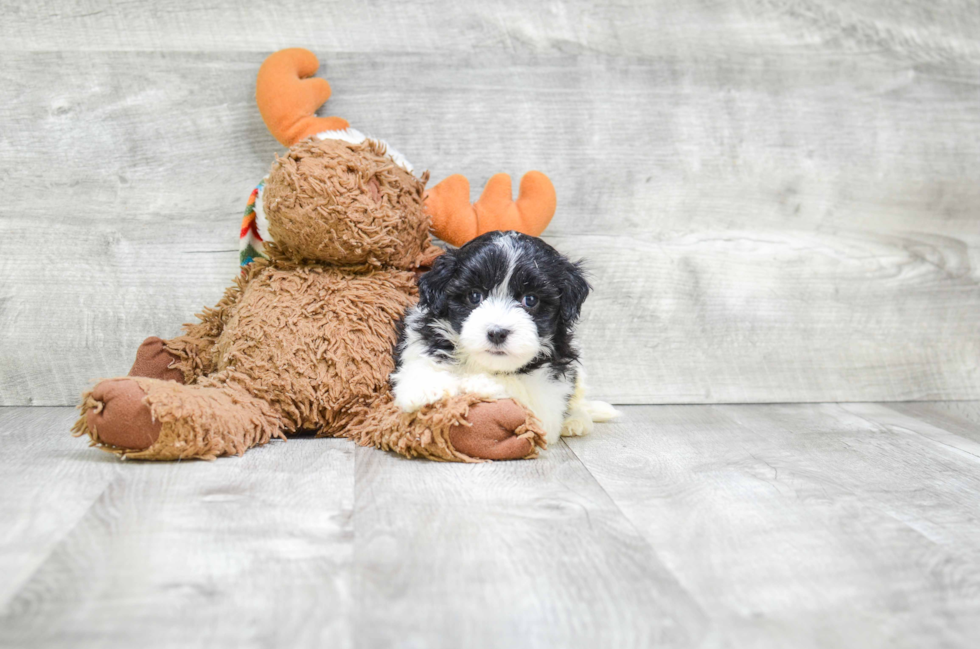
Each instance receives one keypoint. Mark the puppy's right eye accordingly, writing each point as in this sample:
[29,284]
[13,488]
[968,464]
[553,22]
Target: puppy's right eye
[475,297]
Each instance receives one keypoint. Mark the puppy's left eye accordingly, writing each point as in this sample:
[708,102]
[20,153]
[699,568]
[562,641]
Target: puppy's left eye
[529,301]
[475,297]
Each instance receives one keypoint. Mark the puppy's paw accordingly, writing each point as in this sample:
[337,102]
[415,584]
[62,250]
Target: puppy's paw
[577,423]
[483,386]
[410,398]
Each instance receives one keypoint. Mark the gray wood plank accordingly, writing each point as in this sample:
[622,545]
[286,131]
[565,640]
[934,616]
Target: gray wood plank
[935,422]
[49,483]
[713,526]
[650,28]
[959,417]
[802,526]
[519,554]
[760,227]
[243,552]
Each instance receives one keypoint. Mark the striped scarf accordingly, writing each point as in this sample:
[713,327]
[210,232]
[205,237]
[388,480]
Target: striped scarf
[255,229]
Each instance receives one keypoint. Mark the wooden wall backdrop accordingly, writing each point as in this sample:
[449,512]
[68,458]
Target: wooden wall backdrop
[779,199]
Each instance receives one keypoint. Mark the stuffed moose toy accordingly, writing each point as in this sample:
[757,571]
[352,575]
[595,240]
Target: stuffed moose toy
[334,240]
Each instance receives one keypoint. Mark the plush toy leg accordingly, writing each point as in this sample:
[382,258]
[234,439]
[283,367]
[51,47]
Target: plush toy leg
[150,419]
[465,428]
[154,361]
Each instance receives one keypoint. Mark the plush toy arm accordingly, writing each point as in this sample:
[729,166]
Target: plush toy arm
[456,221]
[463,428]
[195,348]
[288,100]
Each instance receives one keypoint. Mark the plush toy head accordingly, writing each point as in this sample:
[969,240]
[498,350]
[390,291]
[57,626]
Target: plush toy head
[340,198]
[335,201]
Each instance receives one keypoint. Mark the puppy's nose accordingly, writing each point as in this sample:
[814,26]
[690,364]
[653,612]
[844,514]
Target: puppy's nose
[497,336]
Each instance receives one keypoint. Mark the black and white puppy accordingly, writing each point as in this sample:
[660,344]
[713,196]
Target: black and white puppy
[495,318]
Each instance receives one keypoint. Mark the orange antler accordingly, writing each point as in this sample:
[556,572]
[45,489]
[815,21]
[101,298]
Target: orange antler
[455,221]
[288,100]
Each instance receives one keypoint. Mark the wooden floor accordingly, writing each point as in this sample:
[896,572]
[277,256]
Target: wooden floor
[853,525]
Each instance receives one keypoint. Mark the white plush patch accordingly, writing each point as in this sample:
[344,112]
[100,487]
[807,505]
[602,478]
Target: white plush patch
[353,136]
[261,222]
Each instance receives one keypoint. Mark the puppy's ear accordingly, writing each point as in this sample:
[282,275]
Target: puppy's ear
[574,290]
[433,284]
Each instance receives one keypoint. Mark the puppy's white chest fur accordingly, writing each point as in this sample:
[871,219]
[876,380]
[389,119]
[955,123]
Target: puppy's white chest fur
[421,381]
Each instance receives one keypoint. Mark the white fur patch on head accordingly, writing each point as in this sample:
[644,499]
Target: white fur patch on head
[519,347]
[507,244]
[354,136]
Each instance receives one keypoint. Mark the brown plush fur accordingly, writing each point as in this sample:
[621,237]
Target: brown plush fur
[313,341]
[322,203]
[427,433]
[303,341]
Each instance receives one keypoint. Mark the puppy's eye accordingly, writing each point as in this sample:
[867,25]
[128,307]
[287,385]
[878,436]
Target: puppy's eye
[529,301]
[475,297]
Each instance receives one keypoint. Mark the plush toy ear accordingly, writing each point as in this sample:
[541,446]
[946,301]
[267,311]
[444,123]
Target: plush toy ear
[433,284]
[456,221]
[574,290]
[288,100]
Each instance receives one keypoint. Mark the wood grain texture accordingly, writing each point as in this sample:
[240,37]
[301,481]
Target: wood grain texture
[712,526]
[958,417]
[777,199]
[937,31]
[241,552]
[515,554]
[803,526]
[49,482]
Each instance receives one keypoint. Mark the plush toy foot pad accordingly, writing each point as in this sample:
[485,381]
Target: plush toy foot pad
[491,433]
[153,361]
[121,418]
